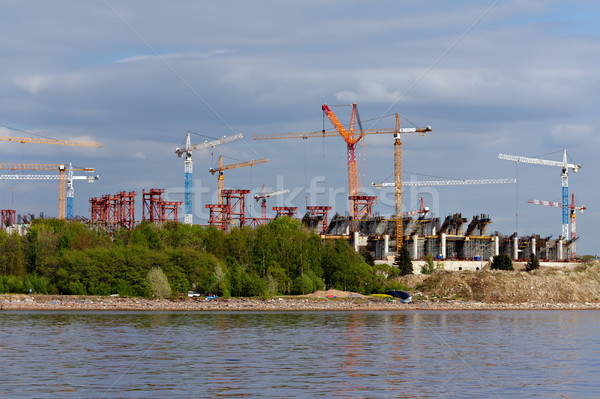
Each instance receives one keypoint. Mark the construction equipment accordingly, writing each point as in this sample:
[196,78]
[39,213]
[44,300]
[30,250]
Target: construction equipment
[188,168]
[427,183]
[37,140]
[62,178]
[263,201]
[572,210]
[349,136]
[222,167]
[565,166]
[421,211]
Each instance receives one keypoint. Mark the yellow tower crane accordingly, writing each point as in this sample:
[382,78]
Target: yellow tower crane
[35,140]
[222,167]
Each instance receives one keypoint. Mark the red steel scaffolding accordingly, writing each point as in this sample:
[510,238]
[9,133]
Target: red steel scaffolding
[8,217]
[285,211]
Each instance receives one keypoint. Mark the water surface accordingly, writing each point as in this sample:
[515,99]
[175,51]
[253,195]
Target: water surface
[300,354]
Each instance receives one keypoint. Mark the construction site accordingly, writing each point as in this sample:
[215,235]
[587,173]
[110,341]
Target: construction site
[427,236]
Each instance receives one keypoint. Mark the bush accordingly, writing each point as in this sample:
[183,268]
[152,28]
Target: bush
[158,284]
[428,267]
[502,262]
[533,263]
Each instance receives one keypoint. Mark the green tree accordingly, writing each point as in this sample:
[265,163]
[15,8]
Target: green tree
[367,256]
[502,262]
[428,267]
[12,256]
[533,263]
[158,284]
[403,262]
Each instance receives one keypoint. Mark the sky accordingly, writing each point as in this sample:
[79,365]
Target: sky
[490,77]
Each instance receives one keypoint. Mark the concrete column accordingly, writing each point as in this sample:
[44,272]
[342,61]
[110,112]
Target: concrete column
[356,241]
[443,244]
[533,246]
[515,248]
[415,247]
[561,255]
[496,246]
[386,244]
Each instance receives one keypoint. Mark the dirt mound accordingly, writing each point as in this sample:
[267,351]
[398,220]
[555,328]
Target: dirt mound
[334,293]
[546,286]
[412,281]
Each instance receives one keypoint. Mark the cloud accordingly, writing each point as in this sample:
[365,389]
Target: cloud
[517,78]
[173,56]
[569,134]
[32,84]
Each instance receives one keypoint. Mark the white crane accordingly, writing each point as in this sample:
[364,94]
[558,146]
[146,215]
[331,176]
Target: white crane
[188,167]
[263,198]
[427,183]
[69,179]
[565,166]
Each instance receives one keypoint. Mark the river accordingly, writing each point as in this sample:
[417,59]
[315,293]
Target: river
[383,354]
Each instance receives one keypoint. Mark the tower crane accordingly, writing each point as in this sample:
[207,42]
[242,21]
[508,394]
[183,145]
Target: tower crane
[572,210]
[565,166]
[351,138]
[427,183]
[222,167]
[263,200]
[37,140]
[188,167]
[62,179]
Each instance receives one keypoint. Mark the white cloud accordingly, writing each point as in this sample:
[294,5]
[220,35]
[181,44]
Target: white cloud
[32,84]
[569,134]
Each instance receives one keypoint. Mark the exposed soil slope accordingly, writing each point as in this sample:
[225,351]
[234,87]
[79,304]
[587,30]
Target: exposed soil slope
[543,286]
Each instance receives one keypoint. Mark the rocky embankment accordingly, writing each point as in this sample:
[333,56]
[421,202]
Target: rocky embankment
[89,303]
[481,290]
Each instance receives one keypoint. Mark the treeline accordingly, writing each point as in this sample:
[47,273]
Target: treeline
[67,257]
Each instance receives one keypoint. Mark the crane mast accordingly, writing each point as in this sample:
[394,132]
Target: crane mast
[348,136]
[188,168]
[398,192]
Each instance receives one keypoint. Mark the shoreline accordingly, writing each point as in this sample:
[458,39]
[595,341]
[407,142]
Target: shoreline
[10,302]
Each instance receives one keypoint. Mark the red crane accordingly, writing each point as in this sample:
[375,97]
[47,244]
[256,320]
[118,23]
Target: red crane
[263,201]
[359,203]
